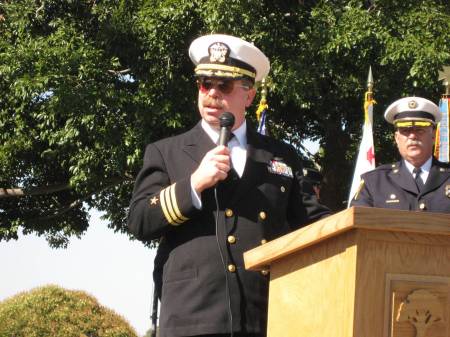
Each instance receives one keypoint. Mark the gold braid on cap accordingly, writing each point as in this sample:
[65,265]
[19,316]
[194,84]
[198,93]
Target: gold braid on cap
[407,124]
[221,70]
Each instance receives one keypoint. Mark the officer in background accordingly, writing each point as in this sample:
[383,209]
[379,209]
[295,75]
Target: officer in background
[210,203]
[419,181]
[315,178]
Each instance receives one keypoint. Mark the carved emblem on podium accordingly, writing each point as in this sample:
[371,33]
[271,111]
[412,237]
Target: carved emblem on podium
[422,309]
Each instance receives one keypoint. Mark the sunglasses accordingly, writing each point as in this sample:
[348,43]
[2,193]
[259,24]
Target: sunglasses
[225,86]
[408,131]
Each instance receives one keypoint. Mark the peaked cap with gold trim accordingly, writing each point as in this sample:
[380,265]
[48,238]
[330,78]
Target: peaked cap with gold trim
[226,56]
[413,111]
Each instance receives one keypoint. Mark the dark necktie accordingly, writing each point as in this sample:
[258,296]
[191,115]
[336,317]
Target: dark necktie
[418,179]
[229,139]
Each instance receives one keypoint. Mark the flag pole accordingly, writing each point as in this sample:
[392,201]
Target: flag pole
[441,145]
[262,109]
[366,155]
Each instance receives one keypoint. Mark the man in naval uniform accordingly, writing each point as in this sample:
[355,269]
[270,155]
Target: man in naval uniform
[315,179]
[208,204]
[418,182]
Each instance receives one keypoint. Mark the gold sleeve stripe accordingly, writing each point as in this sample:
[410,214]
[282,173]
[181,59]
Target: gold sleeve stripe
[164,205]
[175,204]
[169,206]
[162,198]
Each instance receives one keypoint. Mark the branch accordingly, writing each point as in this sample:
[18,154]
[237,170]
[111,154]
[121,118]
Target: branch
[57,213]
[119,72]
[42,190]
[77,202]
[40,9]
[19,192]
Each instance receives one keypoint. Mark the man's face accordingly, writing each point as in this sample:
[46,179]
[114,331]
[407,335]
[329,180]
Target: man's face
[216,96]
[415,144]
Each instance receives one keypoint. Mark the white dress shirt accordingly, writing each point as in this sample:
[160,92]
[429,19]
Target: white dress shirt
[238,152]
[425,169]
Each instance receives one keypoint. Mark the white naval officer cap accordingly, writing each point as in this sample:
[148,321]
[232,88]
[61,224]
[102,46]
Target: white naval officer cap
[226,56]
[412,111]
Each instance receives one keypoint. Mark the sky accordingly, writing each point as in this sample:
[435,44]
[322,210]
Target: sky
[114,269]
[107,265]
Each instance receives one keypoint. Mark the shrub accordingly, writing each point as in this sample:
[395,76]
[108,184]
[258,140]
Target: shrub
[52,311]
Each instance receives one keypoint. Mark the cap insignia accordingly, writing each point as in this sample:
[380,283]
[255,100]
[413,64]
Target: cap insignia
[218,52]
[412,104]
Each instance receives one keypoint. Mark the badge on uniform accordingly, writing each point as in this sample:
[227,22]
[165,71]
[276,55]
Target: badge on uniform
[278,167]
[392,199]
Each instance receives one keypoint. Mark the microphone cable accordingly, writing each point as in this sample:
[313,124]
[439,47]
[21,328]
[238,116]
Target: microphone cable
[227,283]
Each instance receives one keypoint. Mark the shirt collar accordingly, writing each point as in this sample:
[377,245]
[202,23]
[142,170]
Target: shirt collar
[240,133]
[426,167]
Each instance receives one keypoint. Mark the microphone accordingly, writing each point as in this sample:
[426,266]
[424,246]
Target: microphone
[226,124]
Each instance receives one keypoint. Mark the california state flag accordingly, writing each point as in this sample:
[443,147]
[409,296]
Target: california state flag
[366,155]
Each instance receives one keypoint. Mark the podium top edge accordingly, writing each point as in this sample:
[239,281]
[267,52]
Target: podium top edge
[367,218]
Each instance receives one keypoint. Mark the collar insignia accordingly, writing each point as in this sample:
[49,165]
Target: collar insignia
[218,52]
[278,167]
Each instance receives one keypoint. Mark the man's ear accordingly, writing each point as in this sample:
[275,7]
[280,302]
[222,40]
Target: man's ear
[251,93]
[396,134]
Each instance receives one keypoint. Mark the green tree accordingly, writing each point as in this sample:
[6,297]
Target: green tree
[57,312]
[86,84]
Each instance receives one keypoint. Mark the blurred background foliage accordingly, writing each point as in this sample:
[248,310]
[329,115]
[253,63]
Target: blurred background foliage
[85,84]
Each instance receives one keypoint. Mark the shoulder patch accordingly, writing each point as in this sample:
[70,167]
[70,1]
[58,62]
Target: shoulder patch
[361,185]
[386,167]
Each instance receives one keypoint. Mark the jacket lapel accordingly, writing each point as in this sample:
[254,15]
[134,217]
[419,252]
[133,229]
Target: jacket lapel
[258,158]
[197,143]
[402,177]
[438,175]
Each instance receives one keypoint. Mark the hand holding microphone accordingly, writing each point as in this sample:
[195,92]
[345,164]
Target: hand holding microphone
[216,163]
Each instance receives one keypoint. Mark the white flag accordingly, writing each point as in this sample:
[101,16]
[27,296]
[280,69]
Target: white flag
[366,155]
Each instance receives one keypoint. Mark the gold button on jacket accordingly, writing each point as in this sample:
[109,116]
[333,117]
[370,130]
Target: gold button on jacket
[231,239]
[231,268]
[265,272]
[229,212]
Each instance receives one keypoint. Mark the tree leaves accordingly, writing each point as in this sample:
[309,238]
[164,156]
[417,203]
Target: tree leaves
[87,84]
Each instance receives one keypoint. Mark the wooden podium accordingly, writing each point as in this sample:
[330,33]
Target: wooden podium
[363,272]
